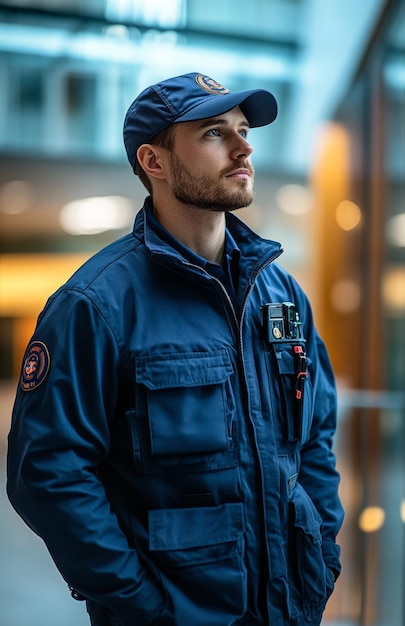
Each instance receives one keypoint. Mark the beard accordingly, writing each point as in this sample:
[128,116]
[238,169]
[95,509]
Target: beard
[203,192]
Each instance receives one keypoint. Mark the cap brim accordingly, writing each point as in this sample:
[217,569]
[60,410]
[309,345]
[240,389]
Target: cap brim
[259,106]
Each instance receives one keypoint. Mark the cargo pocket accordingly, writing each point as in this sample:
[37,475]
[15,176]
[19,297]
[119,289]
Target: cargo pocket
[187,409]
[293,399]
[200,554]
[311,582]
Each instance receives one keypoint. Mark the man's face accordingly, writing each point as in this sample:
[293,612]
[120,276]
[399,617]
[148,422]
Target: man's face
[210,165]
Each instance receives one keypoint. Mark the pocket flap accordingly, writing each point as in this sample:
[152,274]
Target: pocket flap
[174,529]
[188,369]
[306,516]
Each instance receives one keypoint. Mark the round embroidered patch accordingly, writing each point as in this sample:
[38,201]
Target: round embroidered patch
[210,85]
[35,367]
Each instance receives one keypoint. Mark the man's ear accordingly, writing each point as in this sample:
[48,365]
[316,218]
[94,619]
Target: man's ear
[150,159]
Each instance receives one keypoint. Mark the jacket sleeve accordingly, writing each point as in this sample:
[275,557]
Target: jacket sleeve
[318,474]
[60,435]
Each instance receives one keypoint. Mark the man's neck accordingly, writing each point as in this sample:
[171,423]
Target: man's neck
[200,230]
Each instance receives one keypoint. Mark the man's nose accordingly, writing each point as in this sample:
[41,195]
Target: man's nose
[242,148]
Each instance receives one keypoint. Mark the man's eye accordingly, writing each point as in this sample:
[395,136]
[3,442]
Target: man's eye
[213,132]
[243,133]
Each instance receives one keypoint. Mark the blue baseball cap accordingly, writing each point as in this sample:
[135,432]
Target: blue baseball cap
[187,98]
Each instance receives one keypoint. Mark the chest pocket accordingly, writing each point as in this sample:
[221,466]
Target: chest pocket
[292,396]
[185,411]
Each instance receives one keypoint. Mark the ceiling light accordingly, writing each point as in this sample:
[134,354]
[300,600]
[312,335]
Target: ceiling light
[294,199]
[395,230]
[90,216]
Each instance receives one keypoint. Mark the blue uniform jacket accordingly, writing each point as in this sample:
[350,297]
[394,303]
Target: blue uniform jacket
[179,469]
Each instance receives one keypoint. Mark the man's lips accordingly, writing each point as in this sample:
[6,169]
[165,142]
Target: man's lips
[239,173]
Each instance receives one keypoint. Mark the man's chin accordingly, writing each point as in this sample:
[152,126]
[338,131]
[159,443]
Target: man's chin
[218,203]
[244,202]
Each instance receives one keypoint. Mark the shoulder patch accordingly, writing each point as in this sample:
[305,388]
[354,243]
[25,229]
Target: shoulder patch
[35,367]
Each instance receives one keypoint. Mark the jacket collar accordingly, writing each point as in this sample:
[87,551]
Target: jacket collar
[255,249]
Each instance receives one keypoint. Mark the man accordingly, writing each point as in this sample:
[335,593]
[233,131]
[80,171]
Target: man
[174,450]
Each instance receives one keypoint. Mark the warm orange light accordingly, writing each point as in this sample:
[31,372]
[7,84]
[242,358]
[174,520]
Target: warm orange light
[27,280]
[393,288]
[345,296]
[348,215]
[16,196]
[371,519]
[331,174]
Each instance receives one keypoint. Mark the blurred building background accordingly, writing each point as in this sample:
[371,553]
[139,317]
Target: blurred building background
[330,187]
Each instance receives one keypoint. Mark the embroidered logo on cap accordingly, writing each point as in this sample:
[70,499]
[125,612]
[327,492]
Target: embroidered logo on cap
[36,366]
[210,85]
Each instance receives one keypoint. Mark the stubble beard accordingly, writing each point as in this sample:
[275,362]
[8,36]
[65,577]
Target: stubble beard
[204,193]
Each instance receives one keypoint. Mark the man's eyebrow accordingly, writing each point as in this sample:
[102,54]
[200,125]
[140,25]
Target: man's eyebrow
[219,121]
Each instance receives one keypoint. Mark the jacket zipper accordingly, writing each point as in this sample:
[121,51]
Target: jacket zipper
[239,326]
[223,288]
[248,291]
[247,294]
[244,305]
